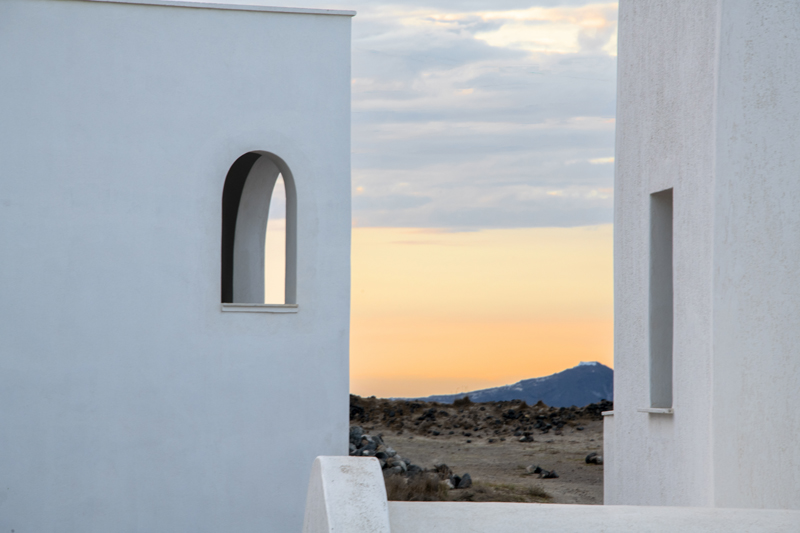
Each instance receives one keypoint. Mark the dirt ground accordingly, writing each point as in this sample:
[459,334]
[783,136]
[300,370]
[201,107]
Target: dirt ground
[499,469]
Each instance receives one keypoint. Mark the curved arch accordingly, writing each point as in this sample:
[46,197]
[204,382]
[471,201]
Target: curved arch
[246,197]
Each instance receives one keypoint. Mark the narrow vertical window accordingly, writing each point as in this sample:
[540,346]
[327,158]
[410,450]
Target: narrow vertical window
[661,299]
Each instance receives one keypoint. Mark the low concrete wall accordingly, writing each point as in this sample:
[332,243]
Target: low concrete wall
[457,517]
[346,494]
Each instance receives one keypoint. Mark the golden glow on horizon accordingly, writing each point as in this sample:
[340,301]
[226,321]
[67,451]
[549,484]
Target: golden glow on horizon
[436,312]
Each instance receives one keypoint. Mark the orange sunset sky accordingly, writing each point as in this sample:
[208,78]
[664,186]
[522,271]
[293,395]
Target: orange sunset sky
[441,312]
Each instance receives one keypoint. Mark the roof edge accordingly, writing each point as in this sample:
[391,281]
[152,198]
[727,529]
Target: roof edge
[232,7]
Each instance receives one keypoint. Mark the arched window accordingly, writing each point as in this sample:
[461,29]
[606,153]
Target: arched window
[248,275]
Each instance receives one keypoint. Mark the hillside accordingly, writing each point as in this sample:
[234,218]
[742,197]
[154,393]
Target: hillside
[512,451]
[578,386]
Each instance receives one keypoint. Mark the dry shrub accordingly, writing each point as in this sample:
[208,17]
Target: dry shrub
[501,492]
[462,402]
[419,488]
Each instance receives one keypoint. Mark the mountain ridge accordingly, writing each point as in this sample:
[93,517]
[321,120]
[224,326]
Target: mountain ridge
[586,383]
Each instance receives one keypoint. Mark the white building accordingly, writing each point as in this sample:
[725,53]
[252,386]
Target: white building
[707,256]
[135,135]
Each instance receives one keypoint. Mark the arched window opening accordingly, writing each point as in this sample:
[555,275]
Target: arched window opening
[259,232]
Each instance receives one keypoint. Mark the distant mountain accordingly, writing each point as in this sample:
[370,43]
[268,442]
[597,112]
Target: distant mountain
[581,385]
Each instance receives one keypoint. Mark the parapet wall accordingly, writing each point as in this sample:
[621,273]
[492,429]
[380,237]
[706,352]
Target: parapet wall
[346,494]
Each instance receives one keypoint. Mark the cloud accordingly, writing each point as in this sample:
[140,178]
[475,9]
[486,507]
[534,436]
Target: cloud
[471,114]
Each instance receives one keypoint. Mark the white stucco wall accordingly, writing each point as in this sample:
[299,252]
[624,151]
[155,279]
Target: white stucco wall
[128,400]
[709,103]
[665,109]
[757,257]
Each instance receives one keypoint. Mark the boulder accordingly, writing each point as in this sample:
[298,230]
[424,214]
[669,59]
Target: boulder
[355,434]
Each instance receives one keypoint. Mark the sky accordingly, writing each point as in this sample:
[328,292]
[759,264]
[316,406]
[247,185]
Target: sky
[482,175]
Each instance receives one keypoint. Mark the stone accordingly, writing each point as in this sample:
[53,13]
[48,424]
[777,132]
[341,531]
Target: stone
[355,434]
[465,482]
[353,449]
[413,470]
[390,451]
[549,474]
[590,457]
[534,469]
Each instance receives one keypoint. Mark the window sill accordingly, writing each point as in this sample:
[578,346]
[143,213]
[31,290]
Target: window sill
[259,308]
[657,410]
[607,413]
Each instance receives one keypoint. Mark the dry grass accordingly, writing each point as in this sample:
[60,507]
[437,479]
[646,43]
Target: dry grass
[430,488]
[419,488]
[502,492]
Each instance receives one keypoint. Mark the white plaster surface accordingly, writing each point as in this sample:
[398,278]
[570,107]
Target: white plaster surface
[756,403]
[708,103]
[665,128]
[461,517]
[346,494]
[130,401]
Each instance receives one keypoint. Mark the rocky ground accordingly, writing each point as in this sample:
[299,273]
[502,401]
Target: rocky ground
[509,451]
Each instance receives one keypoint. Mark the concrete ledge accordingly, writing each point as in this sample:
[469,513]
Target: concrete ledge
[657,410]
[259,308]
[458,517]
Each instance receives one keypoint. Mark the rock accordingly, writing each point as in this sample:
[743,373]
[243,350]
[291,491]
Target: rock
[368,443]
[465,482]
[413,470]
[549,474]
[468,441]
[382,456]
[579,428]
[534,469]
[395,470]
[390,451]
[455,480]
[435,433]
[594,458]
[352,449]
[355,434]
[447,483]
